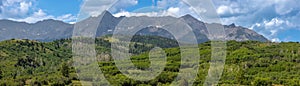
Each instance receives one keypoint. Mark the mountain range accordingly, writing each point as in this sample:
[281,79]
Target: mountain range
[49,30]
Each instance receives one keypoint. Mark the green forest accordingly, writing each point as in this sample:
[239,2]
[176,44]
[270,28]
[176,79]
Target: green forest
[249,63]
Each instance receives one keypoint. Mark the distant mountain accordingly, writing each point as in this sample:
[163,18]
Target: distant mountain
[239,33]
[49,30]
[46,30]
[232,32]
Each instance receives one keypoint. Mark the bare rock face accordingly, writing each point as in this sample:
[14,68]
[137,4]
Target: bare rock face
[232,31]
[242,34]
[49,30]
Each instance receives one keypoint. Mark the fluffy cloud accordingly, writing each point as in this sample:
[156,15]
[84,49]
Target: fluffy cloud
[130,14]
[41,15]
[274,22]
[271,28]
[172,11]
[15,8]
[123,4]
[228,10]
[96,7]
[267,17]
[175,8]
[224,10]
[24,7]
[25,11]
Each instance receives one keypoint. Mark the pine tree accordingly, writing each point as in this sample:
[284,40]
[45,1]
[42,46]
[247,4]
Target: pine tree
[65,69]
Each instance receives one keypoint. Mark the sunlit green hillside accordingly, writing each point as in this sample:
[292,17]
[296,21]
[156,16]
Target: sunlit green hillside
[26,62]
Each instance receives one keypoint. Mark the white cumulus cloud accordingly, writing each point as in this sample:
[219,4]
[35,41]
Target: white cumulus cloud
[175,8]
[15,8]
[267,17]
[25,11]
[41,15]
[96,7]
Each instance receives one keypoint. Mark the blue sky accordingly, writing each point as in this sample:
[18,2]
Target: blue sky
[278,20]
[59,7]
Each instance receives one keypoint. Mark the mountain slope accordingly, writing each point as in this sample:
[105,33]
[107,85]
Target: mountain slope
[240,34]
[49,30]
[249,63]
[232,32]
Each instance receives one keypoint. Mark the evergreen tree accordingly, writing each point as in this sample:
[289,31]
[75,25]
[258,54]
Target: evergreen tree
[65,70]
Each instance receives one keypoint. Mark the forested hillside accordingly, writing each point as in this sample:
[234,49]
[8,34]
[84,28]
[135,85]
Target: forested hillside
[26,62]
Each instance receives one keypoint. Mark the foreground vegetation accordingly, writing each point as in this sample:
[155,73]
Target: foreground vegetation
[26,62]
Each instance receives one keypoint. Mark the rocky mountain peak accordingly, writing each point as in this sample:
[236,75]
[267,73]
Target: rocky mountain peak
[53,29]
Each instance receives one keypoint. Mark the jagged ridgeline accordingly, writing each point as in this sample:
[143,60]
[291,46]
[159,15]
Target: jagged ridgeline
[49,30]
[26,62]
